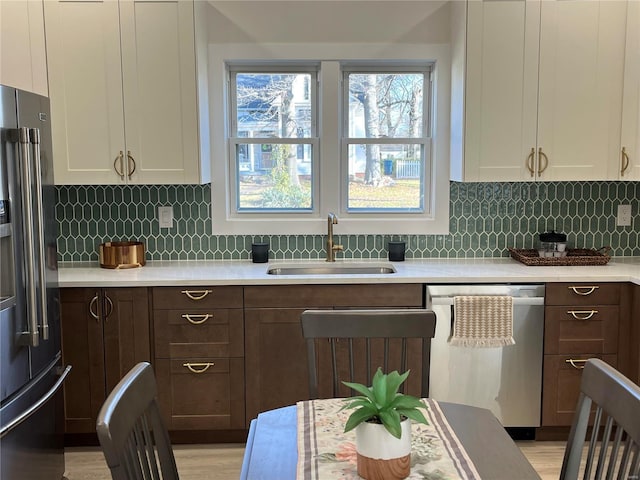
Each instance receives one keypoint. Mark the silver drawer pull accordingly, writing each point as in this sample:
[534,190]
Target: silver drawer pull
[584,291]
[573,362]
[582,314]
[198,367]
[203,318]
[196,294]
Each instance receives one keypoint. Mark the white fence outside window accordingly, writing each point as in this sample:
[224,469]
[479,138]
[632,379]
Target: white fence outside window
[408,169]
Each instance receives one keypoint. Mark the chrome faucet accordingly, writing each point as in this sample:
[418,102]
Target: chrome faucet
[331,248]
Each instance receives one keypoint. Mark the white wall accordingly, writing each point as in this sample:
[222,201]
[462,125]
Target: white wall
[329,21]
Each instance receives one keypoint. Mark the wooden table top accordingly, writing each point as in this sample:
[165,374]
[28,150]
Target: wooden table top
[271,452]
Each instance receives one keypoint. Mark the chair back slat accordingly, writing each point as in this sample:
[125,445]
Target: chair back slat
[134,439]
[365,337]
[616,421]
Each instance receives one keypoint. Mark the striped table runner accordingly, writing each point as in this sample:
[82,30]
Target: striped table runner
[326,452]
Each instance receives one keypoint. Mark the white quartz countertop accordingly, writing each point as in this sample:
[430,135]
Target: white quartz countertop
[243,272]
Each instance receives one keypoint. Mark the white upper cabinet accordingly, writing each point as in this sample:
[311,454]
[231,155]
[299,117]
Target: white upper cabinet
[500,88]
[542,90]
[582,47]
[23,57]
[123,92]
[629,165]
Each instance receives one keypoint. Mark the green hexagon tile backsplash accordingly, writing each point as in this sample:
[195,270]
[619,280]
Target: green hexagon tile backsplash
[485,219]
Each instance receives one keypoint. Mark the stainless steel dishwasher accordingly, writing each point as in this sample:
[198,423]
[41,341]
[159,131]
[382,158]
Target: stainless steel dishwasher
[506,380]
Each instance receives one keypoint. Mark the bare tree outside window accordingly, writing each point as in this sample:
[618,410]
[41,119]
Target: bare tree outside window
[271,109]
[274,143]
[385,140]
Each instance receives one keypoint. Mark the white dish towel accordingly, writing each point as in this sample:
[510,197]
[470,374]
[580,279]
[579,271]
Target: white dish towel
[482,321]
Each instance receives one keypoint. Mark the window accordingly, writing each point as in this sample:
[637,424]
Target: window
[273,139]
[386,142]
[364,138]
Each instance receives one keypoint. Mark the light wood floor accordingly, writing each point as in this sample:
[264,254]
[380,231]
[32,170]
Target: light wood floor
[223,461]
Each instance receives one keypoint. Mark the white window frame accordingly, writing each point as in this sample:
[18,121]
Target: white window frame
[424,140]
[234,141]
[329,167]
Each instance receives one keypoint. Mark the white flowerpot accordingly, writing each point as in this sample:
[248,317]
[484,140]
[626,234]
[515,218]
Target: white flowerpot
[381,456]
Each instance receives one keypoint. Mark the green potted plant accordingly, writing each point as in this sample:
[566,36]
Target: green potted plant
[382,420]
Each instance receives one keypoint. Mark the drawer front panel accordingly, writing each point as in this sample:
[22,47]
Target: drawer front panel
[562,386]
[210,400]
[201,333]
[579,294]
[319,296]
[197,297]
[592,329]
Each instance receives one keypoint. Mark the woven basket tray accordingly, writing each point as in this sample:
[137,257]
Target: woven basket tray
[577,256]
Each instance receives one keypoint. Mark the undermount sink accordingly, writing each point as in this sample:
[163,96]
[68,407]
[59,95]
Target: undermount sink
[338,268]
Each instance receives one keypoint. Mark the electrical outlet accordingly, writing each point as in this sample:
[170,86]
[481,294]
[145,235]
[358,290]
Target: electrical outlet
[165,217]
[624,216]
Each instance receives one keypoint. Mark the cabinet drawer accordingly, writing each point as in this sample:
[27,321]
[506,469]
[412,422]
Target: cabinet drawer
[199,332]
[578,293]
[318,296]
[197,297]
[210,400]
[592,329]
[561,386]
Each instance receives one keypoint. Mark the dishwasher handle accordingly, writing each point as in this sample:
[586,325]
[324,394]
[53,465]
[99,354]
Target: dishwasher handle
[517,301]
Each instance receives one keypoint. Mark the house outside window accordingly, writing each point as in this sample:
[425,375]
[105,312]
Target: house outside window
[306,137]
[386,138]
[273,138]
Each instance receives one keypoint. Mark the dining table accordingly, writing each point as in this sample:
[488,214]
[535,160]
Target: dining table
[272,445]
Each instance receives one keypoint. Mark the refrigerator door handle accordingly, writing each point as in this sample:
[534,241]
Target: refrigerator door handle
[37,405]
[34,135]
[31,336]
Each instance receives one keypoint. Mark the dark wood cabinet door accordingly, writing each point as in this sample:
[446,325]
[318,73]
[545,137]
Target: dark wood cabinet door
[592,329]
[276,359]
[582,293]
[634,335]
[83,349]
[561,387]
[105,332]
[275,350]
[201,393]
[126,331]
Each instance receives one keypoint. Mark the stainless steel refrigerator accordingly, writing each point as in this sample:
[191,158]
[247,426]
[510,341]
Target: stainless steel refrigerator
[31,371]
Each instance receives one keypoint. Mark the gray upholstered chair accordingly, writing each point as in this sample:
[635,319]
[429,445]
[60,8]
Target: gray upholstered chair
[358,341]
[134,439]
[616,453]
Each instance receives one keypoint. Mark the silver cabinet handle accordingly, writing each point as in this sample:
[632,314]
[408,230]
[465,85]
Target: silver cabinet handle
[92,310]
[582,314]
[34,135]
[203,367]
[584,291]
[31,336]
[190,318]
[196,294]
[36,406]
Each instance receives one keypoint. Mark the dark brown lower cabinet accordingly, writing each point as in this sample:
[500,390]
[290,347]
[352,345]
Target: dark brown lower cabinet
[634,337]
[105,332]
[275,351]
[582,321]
[202,393]
[199,358]
[561,380]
